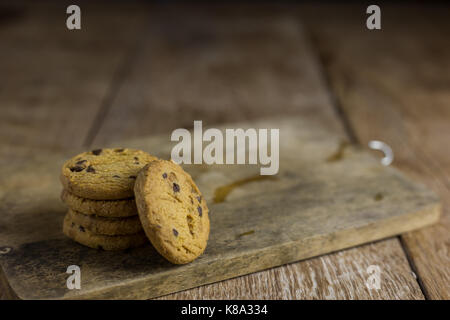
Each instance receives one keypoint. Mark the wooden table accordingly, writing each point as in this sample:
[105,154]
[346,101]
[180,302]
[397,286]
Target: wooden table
[130,72]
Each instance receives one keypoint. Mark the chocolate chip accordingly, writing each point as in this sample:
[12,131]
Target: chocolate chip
[77,169]
[90,169]
[82,229]
[176,187]
[119,150]
[175,232]
[96,151]
[165,175]
[80,162]
[200,211]
[199,198]
[132,177]
[72,225]
[116,176]
[137,162]
[136,158]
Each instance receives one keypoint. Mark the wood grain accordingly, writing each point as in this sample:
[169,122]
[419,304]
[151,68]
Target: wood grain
[394,86]
[230,66]
[32,130]
[215,68]
[306,280]
[313,207]
[58,79]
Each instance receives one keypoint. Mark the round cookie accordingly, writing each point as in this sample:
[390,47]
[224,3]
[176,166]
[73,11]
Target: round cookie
[172,211]
[98,241]
[106,226]
[104,174]
[104,208]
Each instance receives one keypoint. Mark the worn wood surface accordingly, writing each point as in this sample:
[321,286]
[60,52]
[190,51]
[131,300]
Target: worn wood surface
[332,276]
[257,69]
[58,80]
[312,102]
[313,206]
[395,86]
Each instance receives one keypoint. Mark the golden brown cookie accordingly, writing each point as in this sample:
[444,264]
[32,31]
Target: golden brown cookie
[104,174]
[172,211]
[98,241]
[103,208]
[106,226]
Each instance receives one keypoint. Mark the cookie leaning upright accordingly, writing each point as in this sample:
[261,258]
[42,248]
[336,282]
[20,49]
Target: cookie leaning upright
[104,174]
[172,211]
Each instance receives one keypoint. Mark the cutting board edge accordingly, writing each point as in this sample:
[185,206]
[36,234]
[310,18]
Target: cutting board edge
[428,215]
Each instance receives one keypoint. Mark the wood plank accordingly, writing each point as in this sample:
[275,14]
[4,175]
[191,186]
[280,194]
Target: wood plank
[72,137]
[225,67]
[394,86]
[312,207]
[306,280]
[217,69]
[57,80]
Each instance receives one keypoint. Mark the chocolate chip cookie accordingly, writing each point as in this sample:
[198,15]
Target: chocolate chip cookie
[98,241]
[104,208]
[106,226]
[172,211]
[104,174]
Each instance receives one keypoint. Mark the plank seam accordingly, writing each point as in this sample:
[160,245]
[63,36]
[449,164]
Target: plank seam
[351,133]
[413,267]
[120,74]
[337,107]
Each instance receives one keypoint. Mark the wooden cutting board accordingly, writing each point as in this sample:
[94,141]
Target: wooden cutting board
[327,196]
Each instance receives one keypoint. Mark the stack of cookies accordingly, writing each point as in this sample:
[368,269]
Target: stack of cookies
[98,190]
[122,198]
